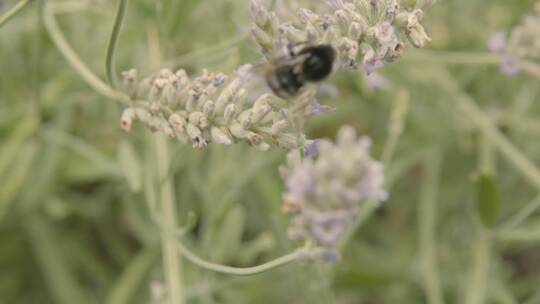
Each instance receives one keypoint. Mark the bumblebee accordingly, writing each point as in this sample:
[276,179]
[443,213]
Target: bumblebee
[310,64]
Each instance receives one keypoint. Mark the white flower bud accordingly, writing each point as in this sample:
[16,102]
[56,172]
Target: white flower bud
[192,131]
[343,19]
[226,95]
[165,73]
[260,113]
[246,119]
[126,120]
[259,13]
[287,141]
[129,81]
[240,97]
[237,131]
[418,36]
[279,126]
[143,115]
[198,119]
[208,108]
[356,30]
[169,94]
[177,121]
[262,38]
[169,132]
[230,113]
[292,34]
[220,137]
[254,138]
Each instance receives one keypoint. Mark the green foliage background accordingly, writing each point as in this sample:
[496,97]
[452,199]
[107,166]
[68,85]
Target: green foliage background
[75,228]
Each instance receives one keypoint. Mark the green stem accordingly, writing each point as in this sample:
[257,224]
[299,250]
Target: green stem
[486,157]
[395,127]
[522,235]
[476,291]
[427,213]
[51,260]
[65,49]
[133,276]
[507,149]
[13,11]
[468,106]
[109,61]
[521,216]
[172,263]
[534,299]
[240,271]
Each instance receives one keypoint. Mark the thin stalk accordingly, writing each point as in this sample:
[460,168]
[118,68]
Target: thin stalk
[395,126]
[56,273]
[508,150]
[476,288]
[126,287]
[502,293]
[521,216]
[486,157]
[13,11]
[522,235]
[111,47]
[172,263]
[427,218]
[534,299]
[240,271]
[65,49]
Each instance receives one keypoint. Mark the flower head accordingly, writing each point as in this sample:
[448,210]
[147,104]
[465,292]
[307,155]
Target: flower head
[520,48]
[216,108]
[324,190]
[363,33]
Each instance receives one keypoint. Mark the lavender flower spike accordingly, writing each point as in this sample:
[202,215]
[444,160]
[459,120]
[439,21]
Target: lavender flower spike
[324,191]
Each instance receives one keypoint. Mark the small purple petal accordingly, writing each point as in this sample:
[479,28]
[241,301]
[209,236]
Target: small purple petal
[316,109]
[372,64]
[329,227]
[301,181]
[311,148]
[497,42]
[330,256]
[385,34]
[510,65]
[377,82]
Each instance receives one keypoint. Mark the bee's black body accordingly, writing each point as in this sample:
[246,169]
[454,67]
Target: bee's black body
[311,64]
[318,63]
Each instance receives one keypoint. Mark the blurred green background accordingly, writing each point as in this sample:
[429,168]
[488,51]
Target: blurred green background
[75,228]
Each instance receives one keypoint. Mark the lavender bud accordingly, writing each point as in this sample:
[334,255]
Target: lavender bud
[220,137]
[126,121]
[230,113]
[324,189]
[129,81]
[259,14]
[510,66]
[208,108]
[497,42]
[177,121]
[279,126]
